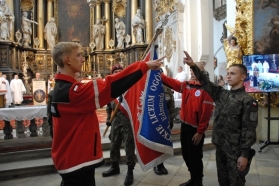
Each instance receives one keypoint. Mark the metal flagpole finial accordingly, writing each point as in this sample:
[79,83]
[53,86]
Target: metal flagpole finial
[159,29]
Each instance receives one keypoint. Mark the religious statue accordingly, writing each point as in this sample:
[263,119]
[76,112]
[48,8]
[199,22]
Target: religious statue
[99,31]
[50,32]
[120,33]
[138,24]
[6,20]
[233,51]
[26,29]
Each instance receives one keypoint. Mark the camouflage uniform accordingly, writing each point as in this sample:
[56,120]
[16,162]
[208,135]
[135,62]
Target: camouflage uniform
[121,131]
[234,129]
[170,104]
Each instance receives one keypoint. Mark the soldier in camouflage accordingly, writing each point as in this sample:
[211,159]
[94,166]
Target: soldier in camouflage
[235,122]
[121,131]
[161,169]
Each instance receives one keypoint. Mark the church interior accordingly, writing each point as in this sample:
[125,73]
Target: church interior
[121,32]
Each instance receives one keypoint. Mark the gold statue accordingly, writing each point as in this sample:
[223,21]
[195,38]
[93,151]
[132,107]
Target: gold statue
[242,32]
[233,51]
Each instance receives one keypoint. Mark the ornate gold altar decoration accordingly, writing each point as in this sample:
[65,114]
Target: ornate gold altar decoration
[109,62]
[123,59]
[92,45]
[25,66]
[49,63]
[262,99]
[244,25]
[168,43]
[111,43]
[3,56]
[37,42]
[119,7]
[39,63]
[26,5]
[18,36]
[162,7]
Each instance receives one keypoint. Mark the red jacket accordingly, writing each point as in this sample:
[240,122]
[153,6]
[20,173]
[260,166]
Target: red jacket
[196,104]
[77,141]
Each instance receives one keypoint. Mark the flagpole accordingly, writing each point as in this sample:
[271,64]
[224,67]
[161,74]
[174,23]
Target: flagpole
[158,30]
[111,118]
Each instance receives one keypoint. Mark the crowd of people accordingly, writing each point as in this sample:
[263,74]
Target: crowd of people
[14,90]
[76,135]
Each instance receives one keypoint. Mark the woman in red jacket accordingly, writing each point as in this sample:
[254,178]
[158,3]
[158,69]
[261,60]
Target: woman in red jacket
[196,109]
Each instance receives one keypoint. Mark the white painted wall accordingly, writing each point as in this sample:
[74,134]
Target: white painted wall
[218,49]
[205,38]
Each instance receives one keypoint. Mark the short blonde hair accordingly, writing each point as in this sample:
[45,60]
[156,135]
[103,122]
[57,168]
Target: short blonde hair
[59,50]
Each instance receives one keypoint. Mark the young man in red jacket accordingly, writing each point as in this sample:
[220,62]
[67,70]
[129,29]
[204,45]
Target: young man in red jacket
[76,146]
[196,109]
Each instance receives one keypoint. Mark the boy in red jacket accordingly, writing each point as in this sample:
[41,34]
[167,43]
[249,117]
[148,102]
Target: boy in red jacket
[196,109]
[76,146]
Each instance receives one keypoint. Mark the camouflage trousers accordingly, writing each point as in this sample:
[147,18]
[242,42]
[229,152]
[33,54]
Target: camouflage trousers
[228,175]
[118,135]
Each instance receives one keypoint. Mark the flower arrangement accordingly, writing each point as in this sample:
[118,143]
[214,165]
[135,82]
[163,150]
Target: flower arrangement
[266,85]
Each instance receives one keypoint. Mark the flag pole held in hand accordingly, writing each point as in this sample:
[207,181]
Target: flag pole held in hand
[113,114]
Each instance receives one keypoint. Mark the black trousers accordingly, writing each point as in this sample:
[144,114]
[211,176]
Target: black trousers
[192,154]
[81,177]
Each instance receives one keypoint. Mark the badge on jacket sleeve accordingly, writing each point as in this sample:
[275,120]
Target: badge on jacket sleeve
[254,111]
[197,93]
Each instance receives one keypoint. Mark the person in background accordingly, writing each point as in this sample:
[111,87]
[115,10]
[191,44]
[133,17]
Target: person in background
[121,131]
[265,67]
[195,114]
[38,77]
[76,145]
[220,81]
[17,88]
[235,122]
[8,95]
[180,76]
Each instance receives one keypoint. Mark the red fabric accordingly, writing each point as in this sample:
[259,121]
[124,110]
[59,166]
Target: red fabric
[196,105]
[77,140]
[132,97]
[121,108]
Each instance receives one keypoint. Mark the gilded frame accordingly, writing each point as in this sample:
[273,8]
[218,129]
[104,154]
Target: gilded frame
[91,20]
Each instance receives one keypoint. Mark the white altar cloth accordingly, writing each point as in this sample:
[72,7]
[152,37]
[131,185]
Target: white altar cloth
[23,113]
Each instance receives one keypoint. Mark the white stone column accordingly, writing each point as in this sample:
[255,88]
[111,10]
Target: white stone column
[205,39]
